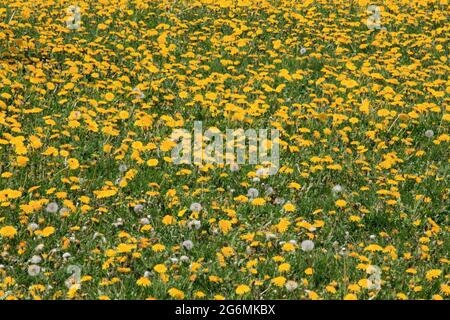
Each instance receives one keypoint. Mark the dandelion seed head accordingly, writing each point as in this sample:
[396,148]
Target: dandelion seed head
[253,193]
[429,133]
[196,207]
[138,208]
[194,224]
[337,188]
[36,259]
[33,226]
[34,270]
[52,207]
[291,285]
[184,258]
[188,244]
[307,245]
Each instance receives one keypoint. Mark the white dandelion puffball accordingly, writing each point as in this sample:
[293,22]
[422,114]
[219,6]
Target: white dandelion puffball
[429,133]
[269,191]
[35,259]
[123,168]
[33,226]
[291,285]
[302,50]
[262,172]
[253,193]
[188,245]
[194,224]
[34,270]
[196,207]
[307,245]
[138,208]
[52,207]
[144,221]
[371,269]
[66,255]
[174,260]
[184,258]
[337,188]
[279,201]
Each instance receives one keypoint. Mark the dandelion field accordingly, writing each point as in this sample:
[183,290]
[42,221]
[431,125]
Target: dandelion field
[92,205]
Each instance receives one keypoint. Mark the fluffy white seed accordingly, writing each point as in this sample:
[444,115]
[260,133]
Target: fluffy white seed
[307,245]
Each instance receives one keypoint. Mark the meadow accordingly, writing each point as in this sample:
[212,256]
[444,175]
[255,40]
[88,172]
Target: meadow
[92,205]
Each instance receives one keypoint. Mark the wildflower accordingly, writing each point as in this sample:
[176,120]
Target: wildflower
[242,289]
[291,285]
[307,245]
[196,207]
[350,296]
[279,281]
[188,245]
[252,193]
[269,191]
[262,172]
[279,201]
[35,259]
[52,207]
[289,207]
[138,208]
[152,162]
[433,274]
[33,226]
[73,164]
[143,282]
[8,232]
[176,294]
[337,188]
[34,270]
[225,226]
[341,203]
[184,258]
[302,51]
[258,202]
[429,133]
[144,221]
[160,268]
[194,224]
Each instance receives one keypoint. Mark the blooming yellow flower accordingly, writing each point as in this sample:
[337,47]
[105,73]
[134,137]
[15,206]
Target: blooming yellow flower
[242,289]
[143,282]
[176,294]
[73,163]
[341,203]
[8,232]
[160,268]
